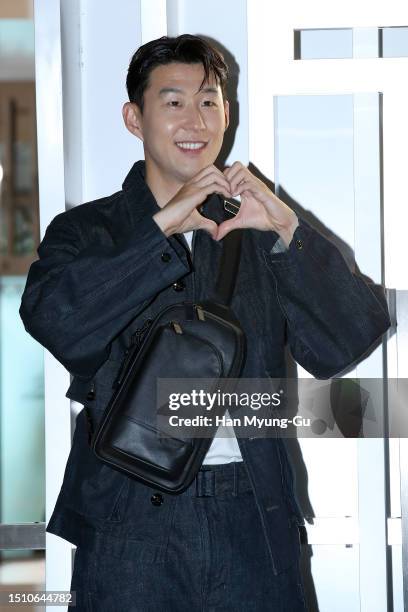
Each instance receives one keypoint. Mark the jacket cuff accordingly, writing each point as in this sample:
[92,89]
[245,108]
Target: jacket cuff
[276,251]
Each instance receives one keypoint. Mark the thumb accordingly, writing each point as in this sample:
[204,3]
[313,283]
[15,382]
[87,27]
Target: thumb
[209,226]
[225,227]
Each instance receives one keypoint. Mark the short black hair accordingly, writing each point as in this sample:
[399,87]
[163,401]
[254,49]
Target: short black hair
[187,49]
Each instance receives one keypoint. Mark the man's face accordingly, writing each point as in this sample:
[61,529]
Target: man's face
[182,127]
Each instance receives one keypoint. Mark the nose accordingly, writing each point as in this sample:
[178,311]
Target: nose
[193,118]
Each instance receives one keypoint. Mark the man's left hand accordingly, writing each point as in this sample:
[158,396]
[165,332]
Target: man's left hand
[260,208]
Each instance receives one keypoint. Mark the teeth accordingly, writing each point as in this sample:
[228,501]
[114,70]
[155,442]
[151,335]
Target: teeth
[190,145]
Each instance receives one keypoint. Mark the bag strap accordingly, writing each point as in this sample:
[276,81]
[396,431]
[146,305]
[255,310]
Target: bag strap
[228,268]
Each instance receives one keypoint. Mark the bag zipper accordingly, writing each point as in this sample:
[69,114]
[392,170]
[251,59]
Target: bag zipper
[137,336]
[177,329]
[135,341]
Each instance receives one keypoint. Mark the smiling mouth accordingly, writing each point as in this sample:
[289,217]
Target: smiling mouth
[191,145]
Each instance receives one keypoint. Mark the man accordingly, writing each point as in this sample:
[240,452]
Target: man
[231,541]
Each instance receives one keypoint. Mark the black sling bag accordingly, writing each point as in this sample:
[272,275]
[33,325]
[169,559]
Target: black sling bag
[184,340]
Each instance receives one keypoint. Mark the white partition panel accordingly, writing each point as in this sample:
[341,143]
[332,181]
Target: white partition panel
[82,59]
[224,23]
[357,201]
[52,202]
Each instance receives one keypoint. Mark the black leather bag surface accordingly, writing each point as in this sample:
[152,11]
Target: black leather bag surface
[184,340]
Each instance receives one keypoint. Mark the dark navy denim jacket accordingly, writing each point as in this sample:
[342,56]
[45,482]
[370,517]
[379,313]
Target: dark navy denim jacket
[101,274]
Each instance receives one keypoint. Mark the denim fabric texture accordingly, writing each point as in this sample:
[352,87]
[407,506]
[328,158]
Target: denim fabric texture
[211,556]
[102,272]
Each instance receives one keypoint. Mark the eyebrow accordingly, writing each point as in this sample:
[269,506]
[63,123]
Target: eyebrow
[165,90]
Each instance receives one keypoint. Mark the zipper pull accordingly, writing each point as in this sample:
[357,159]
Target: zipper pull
[137,336]
[200,312]
[177,327]
[118,380]
[135,342]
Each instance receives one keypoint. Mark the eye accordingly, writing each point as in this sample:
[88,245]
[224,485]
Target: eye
[209,103]
[173,103]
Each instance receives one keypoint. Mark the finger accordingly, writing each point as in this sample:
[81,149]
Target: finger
[197,221]
[239,177]
[193,221]
[244,185]
[214,176]
[219,180]
[219,172]
[209,226]
[214,187]
[226,226]
[193,195]
[231,171]
[206,172]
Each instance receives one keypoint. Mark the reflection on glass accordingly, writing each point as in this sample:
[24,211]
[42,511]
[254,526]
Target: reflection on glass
[366,42]
[314,156]
[324,43]
[24,241]
[22,412]
[22,477]
[327,160]
[341,43]
[16,45]
[23,163]
[19,234]
[22,462]
[394,42]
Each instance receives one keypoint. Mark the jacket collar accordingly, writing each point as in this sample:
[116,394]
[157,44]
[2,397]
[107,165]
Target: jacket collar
[137,192]
[143,203]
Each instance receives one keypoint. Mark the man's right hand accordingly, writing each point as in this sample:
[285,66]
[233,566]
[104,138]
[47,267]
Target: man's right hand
[180,214]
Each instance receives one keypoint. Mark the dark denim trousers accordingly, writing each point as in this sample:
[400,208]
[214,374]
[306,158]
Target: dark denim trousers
[214,558]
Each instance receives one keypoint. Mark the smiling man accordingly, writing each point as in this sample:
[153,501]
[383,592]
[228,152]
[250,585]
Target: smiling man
[231,540]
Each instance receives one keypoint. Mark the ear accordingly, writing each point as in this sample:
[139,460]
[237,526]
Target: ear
[226,114]
[133,119]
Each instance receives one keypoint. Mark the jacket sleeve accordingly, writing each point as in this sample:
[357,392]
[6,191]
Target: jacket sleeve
[333,315]
[79,296]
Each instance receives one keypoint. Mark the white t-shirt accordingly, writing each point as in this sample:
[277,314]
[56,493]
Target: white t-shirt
[222,450]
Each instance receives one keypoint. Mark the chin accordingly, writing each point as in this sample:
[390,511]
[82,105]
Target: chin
[190,170]
[186,175]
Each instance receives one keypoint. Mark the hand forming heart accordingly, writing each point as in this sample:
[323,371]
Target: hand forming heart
[260,208]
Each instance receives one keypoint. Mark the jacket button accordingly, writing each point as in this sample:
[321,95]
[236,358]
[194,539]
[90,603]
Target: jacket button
[90,395]
[165,256]
[157,499]
[178,286]
[299,244]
